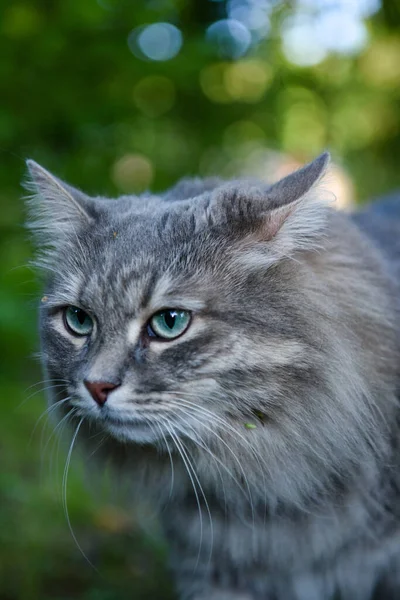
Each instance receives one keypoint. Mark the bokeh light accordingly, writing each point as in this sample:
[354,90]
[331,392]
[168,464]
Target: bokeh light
[380,65]
[158,41]
[254,14]
[301,43]
[361,8]
[247,80]
[241,138]
[212,81]
[20,20]
[154,95]
[230,37]
[353,33]
[317,28]
[242,81]
[304,121]
[132,173]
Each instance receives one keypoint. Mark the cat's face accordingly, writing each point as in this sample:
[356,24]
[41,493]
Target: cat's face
[149,305]
[163,309]
[190,318]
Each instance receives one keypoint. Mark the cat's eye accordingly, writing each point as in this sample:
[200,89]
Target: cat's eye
[169,324]
[77,321]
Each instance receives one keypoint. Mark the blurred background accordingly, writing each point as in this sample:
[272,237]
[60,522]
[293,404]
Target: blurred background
[118,96]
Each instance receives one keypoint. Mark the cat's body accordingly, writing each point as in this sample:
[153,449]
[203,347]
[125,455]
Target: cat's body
[267,431]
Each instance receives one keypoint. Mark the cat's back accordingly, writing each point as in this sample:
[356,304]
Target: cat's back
[380,221]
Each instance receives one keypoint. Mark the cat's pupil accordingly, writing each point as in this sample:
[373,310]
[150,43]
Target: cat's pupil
[81,316]
[169,318]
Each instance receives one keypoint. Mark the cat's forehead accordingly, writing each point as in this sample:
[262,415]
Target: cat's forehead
[136,235]
[146,220]
[134,259]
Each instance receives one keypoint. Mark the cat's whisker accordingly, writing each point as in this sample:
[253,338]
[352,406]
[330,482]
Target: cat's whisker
[55,435]
[170,460]
[224,424]
[46,413]
[95,435]
[64,494]
[176,442]
[39,391]
[243,442]
[52,408]
[27,265]
[210,430]
[202,444]
[217,418]
[44,381]
[250,497]
[190,461]
[99,445]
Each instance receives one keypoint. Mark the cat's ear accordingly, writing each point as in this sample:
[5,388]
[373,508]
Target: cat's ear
[286,217]
[55,209]
[297,216]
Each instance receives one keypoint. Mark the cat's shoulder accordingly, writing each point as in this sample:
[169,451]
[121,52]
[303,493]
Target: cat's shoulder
[380,221]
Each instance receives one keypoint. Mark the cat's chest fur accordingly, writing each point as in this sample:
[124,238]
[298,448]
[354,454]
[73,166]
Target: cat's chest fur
[297,557]
[340,545]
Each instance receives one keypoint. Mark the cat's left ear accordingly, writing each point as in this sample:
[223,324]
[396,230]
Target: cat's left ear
[288,216]
[56,209]
[297,214]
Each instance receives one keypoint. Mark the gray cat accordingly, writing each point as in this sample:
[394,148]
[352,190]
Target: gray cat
[236,346]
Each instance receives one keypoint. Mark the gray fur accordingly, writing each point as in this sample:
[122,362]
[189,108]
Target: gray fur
[295,332]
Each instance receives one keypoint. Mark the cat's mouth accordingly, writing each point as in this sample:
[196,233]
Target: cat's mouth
[135,430]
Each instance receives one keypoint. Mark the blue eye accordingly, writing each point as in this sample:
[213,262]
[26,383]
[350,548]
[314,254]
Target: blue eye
[77,321]
[169,324]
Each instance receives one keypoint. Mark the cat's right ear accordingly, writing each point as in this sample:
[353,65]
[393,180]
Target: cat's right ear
[56,210]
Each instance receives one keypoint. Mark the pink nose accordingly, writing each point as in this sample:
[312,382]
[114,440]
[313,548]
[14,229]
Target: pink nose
[99,390]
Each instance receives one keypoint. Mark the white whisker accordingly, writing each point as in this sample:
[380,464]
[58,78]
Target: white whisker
[210,430]
[44,381]
[39,391]
[176,442]
[190,461]
[171,462]
[58,429]
[217,418]
[196,439]
[99,445]
[46,413]
[64,493]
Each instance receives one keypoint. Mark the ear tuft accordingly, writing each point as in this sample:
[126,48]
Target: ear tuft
[55,210]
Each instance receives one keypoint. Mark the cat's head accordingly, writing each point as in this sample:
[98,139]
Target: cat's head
[188,317]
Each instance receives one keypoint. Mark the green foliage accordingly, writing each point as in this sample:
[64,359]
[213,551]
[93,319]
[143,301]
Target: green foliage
[76,99]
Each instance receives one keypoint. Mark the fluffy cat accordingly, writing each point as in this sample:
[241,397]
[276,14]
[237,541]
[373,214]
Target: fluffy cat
[238,345]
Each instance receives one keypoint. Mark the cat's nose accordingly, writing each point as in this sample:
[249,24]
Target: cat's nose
[99,390]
